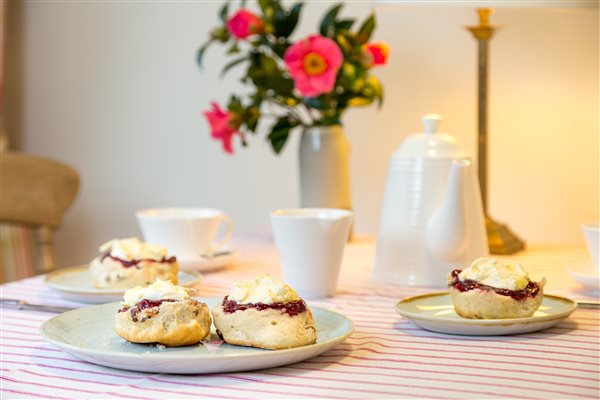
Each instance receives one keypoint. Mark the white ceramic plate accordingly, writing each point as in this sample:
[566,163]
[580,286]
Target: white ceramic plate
[75,284]
[435,312]
[88,334]
[586,275]
[219,260]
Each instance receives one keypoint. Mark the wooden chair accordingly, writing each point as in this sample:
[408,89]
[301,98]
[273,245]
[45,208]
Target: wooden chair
[36,192]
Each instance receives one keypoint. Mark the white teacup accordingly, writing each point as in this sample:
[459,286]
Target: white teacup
[592,238]
[310,242]
[188,233]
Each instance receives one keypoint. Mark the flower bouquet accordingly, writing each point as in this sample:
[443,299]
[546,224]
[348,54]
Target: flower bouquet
[295,84]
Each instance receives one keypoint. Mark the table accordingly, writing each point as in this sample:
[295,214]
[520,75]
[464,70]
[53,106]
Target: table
[386,356]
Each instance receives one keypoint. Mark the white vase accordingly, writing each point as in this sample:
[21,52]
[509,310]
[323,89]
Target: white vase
[324,168]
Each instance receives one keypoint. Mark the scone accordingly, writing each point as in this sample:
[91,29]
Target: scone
[264,313]
[490,289]
[162,313]
[127,263]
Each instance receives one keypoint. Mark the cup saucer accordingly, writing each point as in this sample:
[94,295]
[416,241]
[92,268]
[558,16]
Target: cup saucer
[218,260]
[586,275]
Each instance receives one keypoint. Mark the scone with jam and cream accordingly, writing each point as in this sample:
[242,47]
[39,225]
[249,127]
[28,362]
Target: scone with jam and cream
[162,313]
[127,263]
[264,313]
[491,289]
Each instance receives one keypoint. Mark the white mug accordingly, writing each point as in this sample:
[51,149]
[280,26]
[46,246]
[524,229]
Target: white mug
[310,242]
[188,233]
[592,238]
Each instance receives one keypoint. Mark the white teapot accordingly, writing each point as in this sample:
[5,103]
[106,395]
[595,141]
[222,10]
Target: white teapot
[432,218]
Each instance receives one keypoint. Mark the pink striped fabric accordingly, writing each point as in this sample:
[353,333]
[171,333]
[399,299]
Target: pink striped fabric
[386,357]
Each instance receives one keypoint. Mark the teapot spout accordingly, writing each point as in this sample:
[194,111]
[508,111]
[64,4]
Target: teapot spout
[447,229]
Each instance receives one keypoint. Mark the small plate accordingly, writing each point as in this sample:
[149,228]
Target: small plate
[75,284]
[586,275]
[435,312]
[88,333]
[220,259]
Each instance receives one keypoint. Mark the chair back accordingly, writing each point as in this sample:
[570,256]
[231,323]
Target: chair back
[36,192]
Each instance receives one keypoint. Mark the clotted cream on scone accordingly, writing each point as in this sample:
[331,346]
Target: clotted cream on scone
[492,289]
[125,263]
[266,313]
[162,313]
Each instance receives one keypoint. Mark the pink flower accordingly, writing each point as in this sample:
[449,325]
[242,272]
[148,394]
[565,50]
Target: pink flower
[313,64]
[220,124]
[377,53]
[243,24]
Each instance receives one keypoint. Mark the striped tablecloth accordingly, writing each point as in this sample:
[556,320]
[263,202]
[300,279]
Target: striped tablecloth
[386,357]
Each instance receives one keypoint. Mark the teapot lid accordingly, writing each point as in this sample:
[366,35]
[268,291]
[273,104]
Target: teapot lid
[430,144]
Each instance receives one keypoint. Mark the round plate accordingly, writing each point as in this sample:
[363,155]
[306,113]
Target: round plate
[221,259]
[88,333]
[585,275]
[435,312]
[75,283]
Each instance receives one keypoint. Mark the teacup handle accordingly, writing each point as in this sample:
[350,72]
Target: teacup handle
[218,245]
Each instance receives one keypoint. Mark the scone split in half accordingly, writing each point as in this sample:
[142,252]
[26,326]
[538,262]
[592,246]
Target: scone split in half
[490,289]
[265,313]
[127,263]
[162,313]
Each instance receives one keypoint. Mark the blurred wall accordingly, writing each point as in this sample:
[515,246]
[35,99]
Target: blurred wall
[112,88]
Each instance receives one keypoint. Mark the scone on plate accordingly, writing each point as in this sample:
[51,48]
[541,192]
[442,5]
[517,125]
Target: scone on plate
[127,263]
[264,313]
[491,289]
[162,313]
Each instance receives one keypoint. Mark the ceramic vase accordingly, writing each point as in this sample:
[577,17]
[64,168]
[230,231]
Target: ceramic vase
[324,168]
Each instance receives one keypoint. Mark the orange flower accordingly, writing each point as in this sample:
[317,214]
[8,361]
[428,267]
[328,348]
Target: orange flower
[377,53]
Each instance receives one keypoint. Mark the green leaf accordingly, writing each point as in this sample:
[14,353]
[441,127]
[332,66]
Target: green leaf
[343,43]
[220,33]
[283,86]
[344,24]
[348,75]
[366,30]
[285,26]
[377,89]
[251,117]
[264,4]
[359,101]
[223,12]
[235,105]
[328,22]
[331,120]
[269,8]
[234,49]
[232,64]
[319,103]
[201,52]
[279,48]
[280,132]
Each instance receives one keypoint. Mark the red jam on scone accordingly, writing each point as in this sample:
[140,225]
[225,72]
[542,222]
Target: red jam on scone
[491,289]
[264,313]
[127,263]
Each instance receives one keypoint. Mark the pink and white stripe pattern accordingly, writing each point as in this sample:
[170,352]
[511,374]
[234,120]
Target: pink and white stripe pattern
[386,357]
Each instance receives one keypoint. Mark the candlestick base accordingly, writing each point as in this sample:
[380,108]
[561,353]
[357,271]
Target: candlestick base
[501,239]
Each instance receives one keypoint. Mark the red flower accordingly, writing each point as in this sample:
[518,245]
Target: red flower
[243,24]
[220,124]
[377,53]
[313,64]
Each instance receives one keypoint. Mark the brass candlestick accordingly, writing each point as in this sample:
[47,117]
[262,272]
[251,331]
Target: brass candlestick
[501,239]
